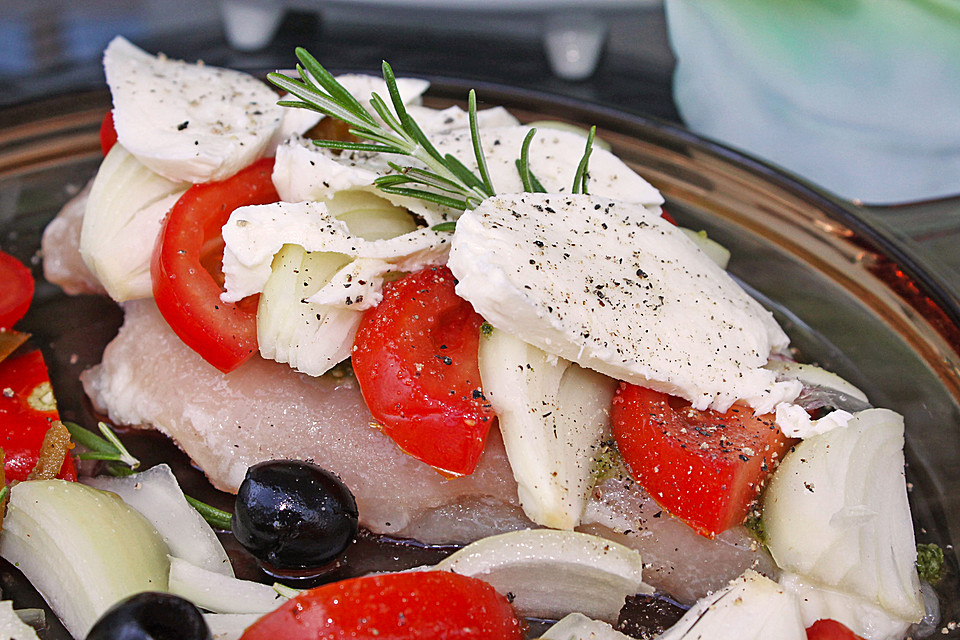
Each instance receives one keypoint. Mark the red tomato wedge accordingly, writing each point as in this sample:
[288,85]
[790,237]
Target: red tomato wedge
[704,467]
[16,290]
[27,409]
[434,605]
[186,281]
[415,356]
[108,134]
[830,630]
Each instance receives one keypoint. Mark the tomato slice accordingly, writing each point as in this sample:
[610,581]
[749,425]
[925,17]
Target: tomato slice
[704,467]
[827,629]
[434,605]
[108,133]
[27,409]
[16,290]
[187,293]
[415,356]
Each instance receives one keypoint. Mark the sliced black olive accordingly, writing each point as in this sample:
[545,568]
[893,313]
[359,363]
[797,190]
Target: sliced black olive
[151,616]
[294,515]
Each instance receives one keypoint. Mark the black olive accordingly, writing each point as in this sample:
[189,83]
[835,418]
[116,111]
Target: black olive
[294,515]
[151,616]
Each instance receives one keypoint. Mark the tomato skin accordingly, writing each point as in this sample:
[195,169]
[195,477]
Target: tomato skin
[108,133]
[187,294]
[435,605]
[23,420]
[827,629]
[16,290]
[703,467]
[415,356]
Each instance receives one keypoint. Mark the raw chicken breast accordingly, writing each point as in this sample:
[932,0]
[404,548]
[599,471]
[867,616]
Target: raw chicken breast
[60,245]
[265,410]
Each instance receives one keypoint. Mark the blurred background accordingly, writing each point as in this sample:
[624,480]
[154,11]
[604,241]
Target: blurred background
[860,97]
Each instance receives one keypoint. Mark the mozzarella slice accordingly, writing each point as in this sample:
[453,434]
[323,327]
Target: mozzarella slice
[615,288]
[187,122]
[254,234]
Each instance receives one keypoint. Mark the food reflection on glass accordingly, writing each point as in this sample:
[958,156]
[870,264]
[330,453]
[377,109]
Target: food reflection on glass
[442,326]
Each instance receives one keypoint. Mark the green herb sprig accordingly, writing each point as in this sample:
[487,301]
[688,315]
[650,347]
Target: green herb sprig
[119,462]
[450,183]
[445,180]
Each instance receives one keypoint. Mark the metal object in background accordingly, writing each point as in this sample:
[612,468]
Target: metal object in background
[572,32]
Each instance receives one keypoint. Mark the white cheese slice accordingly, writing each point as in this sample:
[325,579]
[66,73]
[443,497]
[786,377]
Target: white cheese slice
[615,288]
[254,234]
[795,422]
[188,122]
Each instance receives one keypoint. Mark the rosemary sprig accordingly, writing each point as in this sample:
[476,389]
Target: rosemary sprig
[121,463]
[108,448]
[445,180]
[398,133]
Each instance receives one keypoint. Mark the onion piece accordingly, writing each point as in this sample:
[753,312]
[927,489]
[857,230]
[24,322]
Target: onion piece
[229,626]
[156,494]
[836,513]
[123,217]
[714,250]
[864,618]
[219,593]
[552,415]
[12,627]
[576,626]
[81,548]
[752,606]
[552,572]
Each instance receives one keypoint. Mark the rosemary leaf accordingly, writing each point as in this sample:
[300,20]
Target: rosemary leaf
[477,147]
[336,90]
[384,112]
[87,438]
[124,455]
[357,146]
[523,163]
[537,185]
[580,177]
[410,127]
[419,176]
[450,225]
[464,174]
[436,198]
[321,102]
[217,518]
